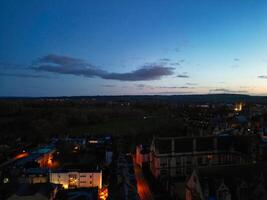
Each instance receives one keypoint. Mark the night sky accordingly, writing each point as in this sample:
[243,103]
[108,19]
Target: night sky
[86,47]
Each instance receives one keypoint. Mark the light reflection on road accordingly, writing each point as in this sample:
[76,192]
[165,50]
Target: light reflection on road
[142,185]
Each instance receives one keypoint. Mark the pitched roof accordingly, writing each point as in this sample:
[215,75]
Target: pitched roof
[31,189]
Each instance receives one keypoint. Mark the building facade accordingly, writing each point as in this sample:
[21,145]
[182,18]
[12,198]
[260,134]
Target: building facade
[75,179]
[237,182]
[178,156]
[142,154]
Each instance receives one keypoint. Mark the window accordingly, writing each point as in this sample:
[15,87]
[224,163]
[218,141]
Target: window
[199,161]
[178,171]
[223,192]
[178,161]
[189,160]
[163,172]
[188,170]
[163,163]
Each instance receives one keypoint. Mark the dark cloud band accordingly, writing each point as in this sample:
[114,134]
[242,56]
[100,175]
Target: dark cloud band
[224,90]
[67,65]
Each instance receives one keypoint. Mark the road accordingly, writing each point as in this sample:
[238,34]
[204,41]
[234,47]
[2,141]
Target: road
[142,185]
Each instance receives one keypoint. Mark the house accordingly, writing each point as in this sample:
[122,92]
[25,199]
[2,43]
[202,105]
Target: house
[36,175]
[142,154]
[40,157]
[126,182]
[109,155]
[77,177]
[40,191]
[178,156]
[236,182]
[78,193]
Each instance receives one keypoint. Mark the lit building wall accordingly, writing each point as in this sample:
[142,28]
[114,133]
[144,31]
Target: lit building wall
[77,179]
[141,157]
[45,160]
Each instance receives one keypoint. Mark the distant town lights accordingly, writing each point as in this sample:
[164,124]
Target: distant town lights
[5,180]
[238,107]
[65,186]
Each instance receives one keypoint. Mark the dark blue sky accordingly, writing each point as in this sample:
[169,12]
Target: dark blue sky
[56,47]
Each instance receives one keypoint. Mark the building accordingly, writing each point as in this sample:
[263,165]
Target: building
[108,155]
[77,178]
[142,154]
[40,157]
[237,182]
[36,175]
[79,193]
[41,191]
[126,182]
[46,156]
[178,156]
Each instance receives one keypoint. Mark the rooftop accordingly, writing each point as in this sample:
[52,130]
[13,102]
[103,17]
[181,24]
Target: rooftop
[78,194]
[32,189]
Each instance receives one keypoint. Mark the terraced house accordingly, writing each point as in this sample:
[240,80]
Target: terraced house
[178,156]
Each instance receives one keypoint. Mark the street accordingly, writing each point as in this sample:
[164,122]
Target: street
[142,185]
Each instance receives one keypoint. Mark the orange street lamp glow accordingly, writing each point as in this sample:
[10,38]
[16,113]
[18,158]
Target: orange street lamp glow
[22,155]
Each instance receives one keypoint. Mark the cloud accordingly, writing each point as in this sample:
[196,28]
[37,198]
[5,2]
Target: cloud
[191,83]
[165,59]
[62,60]
[175,93]
[182,76]
[174,87]
[24,75]
[67,65]
[236,59]
[108,86]
[152,72]
[224,90]
[143,86]
[140,85]
[263,76]
[175,64]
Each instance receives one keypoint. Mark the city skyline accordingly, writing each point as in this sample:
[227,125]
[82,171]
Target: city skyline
[69,48]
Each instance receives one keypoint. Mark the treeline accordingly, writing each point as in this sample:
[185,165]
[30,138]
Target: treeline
[39,120]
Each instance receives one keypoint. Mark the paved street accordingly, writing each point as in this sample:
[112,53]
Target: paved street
[142,185]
